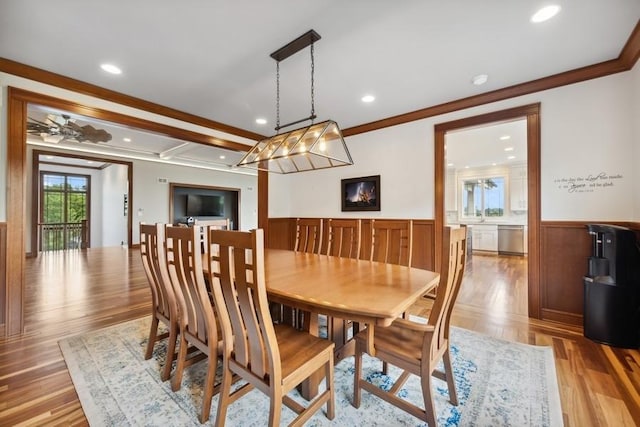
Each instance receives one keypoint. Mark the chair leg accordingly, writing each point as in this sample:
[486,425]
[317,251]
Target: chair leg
[176,381]
[328,378]
[171,350]
[429,406]
[357,377]
[451,380]
[223,396]
[209,385]
[153,333]
[275,409]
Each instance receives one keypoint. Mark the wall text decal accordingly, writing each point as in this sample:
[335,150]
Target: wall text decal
[587,184]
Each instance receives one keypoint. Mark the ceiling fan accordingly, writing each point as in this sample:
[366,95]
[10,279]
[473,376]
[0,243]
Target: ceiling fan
[58,128]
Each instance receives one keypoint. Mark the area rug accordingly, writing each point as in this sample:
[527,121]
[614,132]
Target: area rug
[499,383]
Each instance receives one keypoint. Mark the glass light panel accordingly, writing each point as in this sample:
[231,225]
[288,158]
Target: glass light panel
[317,146]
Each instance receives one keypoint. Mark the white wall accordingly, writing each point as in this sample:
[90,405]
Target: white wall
[151,197]
[114,219]
[586,129]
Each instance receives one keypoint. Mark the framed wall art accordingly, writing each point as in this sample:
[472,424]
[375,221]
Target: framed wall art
[361,194]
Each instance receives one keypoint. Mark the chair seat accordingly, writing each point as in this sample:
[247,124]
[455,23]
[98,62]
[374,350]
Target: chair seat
[396,340]
[298,347]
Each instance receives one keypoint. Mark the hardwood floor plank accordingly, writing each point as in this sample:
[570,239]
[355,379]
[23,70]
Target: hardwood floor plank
[69,293]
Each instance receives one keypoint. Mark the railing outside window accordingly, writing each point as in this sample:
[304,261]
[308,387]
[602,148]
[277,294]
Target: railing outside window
[58,236]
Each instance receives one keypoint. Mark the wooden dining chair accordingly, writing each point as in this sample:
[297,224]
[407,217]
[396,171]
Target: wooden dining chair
[344,242]
[218,224]
[198,326]
[164,306]
[272,358]
[416,347]
[344,238]
[308,235]
[391,241]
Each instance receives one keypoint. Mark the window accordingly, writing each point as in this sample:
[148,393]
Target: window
[64,204]
[483,198]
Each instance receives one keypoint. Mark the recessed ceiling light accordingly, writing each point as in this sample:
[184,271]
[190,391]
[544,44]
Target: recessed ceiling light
[222,157]
[545,13]
[368,98]
[493,164]
[511,157]
[505,137]
[508,148]
[90,162]
[126,139]
[449,164]
[110,68]
[466,167]
[480,79]
[261,121]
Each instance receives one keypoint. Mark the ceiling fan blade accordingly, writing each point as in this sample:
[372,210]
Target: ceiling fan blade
[89,133]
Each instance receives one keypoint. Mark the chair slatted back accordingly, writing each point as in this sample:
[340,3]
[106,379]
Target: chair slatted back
[153,261]
[308,235]
[237,261]
[218,224]
[454,258]
[184,260]
[391,241]
[344,238]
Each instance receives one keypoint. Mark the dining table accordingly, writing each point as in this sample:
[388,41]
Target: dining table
[363,291]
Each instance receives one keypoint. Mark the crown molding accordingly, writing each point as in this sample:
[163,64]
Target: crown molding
[624,62]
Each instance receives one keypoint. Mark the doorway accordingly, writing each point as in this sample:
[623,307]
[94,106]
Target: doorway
[485,189]
[531,113]
[108,221]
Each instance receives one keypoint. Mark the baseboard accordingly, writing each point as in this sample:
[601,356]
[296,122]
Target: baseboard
[562,317]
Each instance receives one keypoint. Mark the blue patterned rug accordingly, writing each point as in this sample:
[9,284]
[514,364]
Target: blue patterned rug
[499,383]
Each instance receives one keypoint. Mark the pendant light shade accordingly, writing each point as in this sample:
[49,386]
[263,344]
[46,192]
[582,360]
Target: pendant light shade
[316,146]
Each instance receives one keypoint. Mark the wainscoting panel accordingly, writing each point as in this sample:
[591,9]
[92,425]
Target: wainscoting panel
[566,247]
[3,275]
[282,235]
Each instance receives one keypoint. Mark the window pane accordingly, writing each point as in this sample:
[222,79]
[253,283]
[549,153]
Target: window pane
[53,182]
[53,207]
[77,183]
[472,198]
[494,197]
[76,207]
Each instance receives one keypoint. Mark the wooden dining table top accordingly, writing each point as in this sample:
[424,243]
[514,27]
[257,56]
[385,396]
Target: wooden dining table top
[359,290]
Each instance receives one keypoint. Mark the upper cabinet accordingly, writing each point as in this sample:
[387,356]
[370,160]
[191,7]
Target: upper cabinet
[518,187]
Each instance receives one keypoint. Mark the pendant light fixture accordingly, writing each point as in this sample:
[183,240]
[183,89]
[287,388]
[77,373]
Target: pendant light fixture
[316,146]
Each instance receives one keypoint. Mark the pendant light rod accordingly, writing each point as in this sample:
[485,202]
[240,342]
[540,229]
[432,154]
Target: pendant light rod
[296,45]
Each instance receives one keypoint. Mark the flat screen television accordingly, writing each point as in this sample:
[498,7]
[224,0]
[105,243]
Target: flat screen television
[205,205]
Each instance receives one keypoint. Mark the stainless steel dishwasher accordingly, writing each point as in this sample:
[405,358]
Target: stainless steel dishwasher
[511,239]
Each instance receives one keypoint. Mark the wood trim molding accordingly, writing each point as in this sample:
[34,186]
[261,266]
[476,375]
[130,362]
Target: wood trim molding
[624,62]
[35,189]
[16,170]
[130,121]
[3,271]
[532,114]
[53,79]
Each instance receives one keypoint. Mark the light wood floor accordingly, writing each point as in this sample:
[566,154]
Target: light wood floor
[73,292]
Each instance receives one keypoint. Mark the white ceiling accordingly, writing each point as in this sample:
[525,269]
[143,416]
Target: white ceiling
[486,146]
[211,58]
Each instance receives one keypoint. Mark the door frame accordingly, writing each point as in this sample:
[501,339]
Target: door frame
[35,190]
[532,114]
[16,196]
